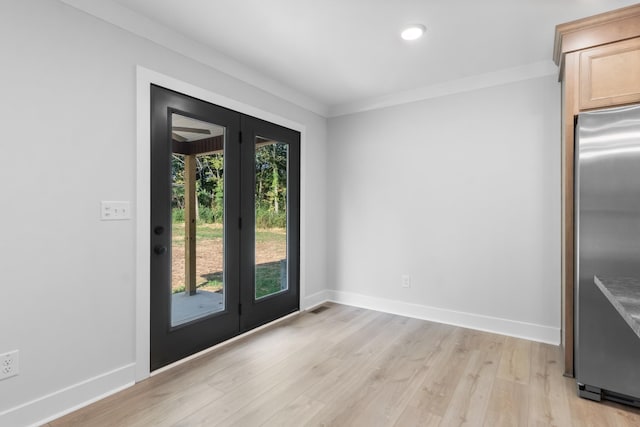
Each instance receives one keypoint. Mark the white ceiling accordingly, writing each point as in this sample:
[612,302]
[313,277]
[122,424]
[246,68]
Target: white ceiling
[336,53]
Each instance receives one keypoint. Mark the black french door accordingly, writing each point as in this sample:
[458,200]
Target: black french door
[225,197]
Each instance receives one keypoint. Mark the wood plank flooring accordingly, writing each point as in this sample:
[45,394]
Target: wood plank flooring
[347,366]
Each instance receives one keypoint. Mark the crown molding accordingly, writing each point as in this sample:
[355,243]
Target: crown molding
[133,22]
[144,27]
[596,30]
[467,84]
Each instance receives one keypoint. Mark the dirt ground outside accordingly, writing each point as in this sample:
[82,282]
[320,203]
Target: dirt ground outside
[270,247]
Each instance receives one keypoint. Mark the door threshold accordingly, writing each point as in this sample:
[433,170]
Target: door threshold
[224,343]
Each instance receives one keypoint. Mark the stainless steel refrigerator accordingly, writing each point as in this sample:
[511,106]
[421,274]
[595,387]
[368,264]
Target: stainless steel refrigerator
[607,209]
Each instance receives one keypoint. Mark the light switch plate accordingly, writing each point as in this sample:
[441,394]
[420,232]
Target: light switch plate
[114,211]
[406,281]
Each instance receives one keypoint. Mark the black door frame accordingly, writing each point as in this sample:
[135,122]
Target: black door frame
[257,312]
[169,344]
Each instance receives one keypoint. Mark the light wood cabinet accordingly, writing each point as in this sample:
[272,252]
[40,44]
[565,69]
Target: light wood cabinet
[609,75]
[599,60]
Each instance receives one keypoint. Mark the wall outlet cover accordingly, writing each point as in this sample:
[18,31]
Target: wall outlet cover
[9,366]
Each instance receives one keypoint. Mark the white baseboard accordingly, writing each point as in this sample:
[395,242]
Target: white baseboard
[62,402]
[39,411]
[529,331]
[59,403]
[316,299]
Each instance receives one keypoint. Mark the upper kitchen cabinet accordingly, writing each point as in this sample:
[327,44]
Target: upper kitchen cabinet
[599,64]
[599,60]
[607,50]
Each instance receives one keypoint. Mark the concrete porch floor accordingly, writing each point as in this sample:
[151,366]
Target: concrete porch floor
[185,308]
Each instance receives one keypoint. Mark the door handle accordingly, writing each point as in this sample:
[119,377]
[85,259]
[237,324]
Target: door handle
[159,250]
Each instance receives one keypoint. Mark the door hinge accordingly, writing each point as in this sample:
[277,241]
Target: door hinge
[240,223]
[239,309]
[240,137]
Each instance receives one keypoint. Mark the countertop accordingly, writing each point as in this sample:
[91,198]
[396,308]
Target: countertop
[624,294]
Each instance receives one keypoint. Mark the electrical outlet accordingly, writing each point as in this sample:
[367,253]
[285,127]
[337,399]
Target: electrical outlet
[406,281]
[9,366]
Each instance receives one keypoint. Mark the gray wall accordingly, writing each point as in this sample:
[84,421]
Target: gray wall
[461,192]
[68,85]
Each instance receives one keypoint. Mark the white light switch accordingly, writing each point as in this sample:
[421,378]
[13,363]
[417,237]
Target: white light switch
[112,211]
[406,281]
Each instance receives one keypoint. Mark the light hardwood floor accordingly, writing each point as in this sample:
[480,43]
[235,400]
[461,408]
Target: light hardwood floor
[347,366]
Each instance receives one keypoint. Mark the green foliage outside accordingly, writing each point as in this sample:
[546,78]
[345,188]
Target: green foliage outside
[177,215]
[271,163]
[202,233]
[212,232]
[267,279]
[270,187]
[267,275]
[264,218]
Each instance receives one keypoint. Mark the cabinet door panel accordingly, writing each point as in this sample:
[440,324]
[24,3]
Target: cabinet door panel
[610,75]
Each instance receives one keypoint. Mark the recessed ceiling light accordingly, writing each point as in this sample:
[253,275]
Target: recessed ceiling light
[413,32]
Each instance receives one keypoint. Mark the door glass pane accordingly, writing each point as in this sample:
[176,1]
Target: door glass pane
[197,250]
[271,175]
